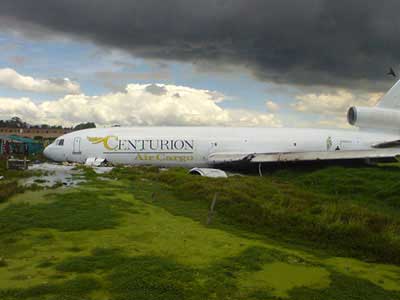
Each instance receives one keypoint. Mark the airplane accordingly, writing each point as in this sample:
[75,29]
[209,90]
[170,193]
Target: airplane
[209,149]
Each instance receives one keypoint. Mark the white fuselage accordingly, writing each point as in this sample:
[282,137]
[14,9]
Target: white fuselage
[191,146]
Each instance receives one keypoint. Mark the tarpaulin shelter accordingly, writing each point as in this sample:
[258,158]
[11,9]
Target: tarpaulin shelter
[12,144]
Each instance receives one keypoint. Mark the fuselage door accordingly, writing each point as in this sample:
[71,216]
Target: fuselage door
[77,146]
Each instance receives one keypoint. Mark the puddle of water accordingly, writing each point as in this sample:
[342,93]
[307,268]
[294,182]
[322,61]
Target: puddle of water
[53,174]
[56,174]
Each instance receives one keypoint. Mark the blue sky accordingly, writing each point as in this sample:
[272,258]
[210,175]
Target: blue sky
[100,71]
[79,60]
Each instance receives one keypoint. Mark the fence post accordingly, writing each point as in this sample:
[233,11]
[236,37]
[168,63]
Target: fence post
[211,211]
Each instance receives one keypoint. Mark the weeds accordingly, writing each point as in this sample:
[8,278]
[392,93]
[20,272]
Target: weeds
[72,290]
[3,263]
[68,212]
[306,211]
[9,189]
[101,259]
[368,185]
[153,277]
[344,288]
[9,184]
[292,206]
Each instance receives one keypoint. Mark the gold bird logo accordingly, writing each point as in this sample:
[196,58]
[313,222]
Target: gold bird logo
[104,140]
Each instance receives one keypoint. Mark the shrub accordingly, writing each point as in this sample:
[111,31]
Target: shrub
[9,189]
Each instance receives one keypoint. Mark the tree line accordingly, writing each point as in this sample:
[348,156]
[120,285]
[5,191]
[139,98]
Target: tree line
[17,122]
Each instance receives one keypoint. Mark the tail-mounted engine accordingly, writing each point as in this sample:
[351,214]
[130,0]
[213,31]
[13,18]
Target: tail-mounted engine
[374,117]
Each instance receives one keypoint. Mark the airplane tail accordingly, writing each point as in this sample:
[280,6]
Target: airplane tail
[385,116]
[391,99]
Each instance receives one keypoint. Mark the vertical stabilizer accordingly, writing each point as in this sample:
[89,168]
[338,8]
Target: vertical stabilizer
[392,98]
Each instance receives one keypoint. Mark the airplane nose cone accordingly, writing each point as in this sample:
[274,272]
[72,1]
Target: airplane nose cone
[46,152]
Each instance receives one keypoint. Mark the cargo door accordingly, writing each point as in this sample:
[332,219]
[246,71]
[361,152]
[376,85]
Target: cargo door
[77,146]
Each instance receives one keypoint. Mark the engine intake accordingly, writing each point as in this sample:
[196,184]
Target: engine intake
[374,117]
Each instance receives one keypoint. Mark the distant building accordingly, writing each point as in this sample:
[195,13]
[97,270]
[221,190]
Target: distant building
[45,133]
[13,144]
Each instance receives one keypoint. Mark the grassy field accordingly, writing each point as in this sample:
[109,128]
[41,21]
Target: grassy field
[141,233]
[9,184]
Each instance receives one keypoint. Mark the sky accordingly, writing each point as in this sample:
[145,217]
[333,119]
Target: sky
[268,63]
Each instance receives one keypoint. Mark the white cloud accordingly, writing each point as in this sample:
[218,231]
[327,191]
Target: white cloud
[272,106]
[10,107]
[12,79]
[333,106]
[334,103]
[138,105]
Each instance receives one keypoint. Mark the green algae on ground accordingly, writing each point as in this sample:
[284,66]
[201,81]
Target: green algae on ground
[344,287]
[151,252]
[68,212]
[386,276]
[99,259]
[72,289]
[279,278]
[279,209]
[149,277]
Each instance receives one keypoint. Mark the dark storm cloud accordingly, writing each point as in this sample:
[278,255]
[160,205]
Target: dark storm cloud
[305,42]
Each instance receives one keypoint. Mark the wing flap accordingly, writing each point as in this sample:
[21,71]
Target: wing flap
[336,155]
[227,157]
[390,144]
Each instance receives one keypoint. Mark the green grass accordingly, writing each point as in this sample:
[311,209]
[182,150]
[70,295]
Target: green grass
[368,185]
[238,277]
[273,206]
[144,236]
[9,185]
[151,278]
[72,290]
[344,287]
[9,189]
[69,212]
[100,259]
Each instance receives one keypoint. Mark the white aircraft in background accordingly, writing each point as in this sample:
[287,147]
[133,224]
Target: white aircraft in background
[378,138]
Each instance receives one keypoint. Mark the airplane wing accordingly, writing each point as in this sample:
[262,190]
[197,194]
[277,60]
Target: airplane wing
[226,158]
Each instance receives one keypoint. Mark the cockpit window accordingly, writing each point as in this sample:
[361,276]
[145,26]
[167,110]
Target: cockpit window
[60,142]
